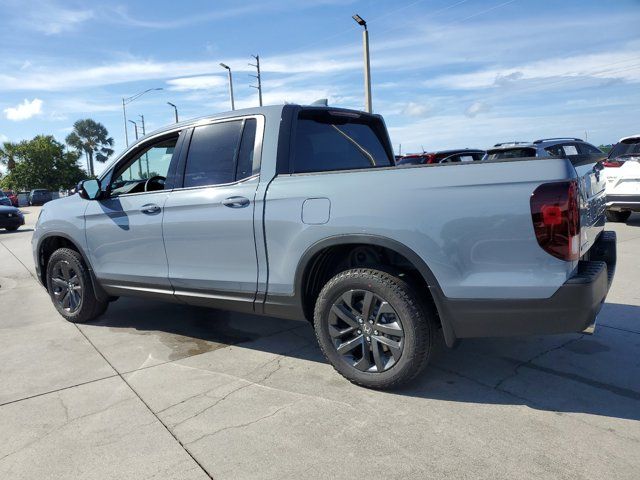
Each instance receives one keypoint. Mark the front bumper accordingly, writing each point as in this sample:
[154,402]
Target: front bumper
[573,308]
[13,221]
[623,202]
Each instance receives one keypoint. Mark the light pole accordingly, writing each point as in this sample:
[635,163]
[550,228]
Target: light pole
[258,77]
[136,127]
[367,66]
[126,101]
[175,109]
[233,105]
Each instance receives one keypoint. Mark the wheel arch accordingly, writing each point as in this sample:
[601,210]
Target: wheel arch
[309,259]
[52,241]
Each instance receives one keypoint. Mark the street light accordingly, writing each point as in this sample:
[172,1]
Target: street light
[233,106]
[367,67]
[136,127]
[175,109]
[128,100]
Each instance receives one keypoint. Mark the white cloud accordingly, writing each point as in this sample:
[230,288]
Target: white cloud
[24,110]
[414,109]
[50,18]
[476,108]
[3,138]
[202,82]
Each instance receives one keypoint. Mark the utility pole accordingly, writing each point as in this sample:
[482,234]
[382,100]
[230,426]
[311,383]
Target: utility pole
[175,109]
[259,87]
[144,132]
[228,68]
[126,101]
[136,127]
[367,64]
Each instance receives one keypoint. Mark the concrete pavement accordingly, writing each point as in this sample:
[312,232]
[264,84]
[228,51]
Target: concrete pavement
[153,390]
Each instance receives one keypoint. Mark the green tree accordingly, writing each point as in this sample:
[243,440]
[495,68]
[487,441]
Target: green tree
[43,163]
[92,139]
[8,155]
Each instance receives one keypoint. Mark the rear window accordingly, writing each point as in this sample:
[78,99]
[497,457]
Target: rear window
[326,141]
[410,160]
[629,147]
[511,153]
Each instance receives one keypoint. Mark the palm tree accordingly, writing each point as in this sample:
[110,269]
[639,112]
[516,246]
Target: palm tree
[91,138]
[8,155]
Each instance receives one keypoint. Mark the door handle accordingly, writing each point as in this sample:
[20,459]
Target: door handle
[150,209]
[236,202]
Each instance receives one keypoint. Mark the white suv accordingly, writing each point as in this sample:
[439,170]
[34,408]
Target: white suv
[622,171]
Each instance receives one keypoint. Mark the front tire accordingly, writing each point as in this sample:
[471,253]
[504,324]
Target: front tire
[373,328]
[70,287]
[617,216]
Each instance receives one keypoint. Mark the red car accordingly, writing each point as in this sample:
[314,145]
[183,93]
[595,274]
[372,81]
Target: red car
[12,197]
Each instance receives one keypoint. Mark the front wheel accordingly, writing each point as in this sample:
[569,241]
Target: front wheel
[70,288]
[617,216]
[373,328]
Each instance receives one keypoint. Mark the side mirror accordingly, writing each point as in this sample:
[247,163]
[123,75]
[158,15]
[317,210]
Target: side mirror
[89,189]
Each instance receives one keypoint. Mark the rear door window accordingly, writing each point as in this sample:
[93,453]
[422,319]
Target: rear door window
[212,154]
[326,142]
[570,149]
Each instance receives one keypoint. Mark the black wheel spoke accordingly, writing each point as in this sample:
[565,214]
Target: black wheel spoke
[349,345]
[58,282]
[337,333]
[66,287]
[368,302]
[346,316]
[394,329]
[65,301]
[377,354]
[394,347]
[66,270]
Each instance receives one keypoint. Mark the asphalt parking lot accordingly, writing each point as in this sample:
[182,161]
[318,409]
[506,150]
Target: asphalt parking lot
[155,390]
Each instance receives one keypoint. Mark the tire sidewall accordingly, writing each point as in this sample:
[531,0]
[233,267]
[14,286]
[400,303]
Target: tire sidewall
[63,255]
[409,316]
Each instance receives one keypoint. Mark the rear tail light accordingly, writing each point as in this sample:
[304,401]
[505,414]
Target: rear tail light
[431,158]
[612,163]
[555,212]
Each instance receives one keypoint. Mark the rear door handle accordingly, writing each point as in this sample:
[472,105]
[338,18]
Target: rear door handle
[236,202]
[150,209]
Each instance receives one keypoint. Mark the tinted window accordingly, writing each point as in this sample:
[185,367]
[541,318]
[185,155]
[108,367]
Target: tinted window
[410,160]
[628,147]
[247,165]
[511,153]
[588,149]
[212,154]
[555,150]
[325,143]
[152,162]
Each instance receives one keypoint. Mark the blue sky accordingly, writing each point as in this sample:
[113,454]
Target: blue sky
[446,73]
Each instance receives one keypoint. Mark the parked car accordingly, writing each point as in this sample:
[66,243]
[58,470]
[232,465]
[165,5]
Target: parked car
[13,198]
[10,218]
[5,200]
[39,197]
[622,171]
[442,156]
[545,147]
[291,211]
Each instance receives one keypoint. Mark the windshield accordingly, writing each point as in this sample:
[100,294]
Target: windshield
[629,147]
[511,153]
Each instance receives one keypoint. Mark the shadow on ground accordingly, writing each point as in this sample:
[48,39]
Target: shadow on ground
[489,368]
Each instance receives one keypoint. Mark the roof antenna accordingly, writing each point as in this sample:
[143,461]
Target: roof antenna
[321,102]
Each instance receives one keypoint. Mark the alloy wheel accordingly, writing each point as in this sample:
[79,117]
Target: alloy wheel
[66,286]
[366,331]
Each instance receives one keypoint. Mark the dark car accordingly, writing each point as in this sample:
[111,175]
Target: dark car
[442,156]
[5,200]
[39,197]
[10,218]
[545,147]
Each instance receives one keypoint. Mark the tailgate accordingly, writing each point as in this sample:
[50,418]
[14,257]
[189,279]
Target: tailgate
[591,183]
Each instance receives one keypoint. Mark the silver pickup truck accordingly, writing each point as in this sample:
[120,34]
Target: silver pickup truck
[300,212]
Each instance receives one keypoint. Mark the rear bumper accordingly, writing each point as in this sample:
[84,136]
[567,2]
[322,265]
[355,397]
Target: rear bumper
[573,308]
[624,202]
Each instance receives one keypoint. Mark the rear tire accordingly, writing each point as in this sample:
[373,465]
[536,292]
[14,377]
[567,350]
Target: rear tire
[373,328]
[616,216]
[70,287]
